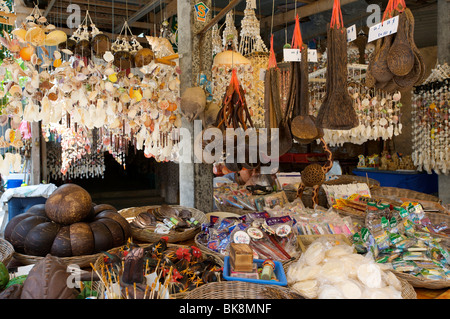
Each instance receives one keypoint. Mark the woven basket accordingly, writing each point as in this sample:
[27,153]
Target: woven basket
[352,179]
[396,193]
[82,261]
[100,262]
[149,236]
[231,290]
[418,282]
[6,251]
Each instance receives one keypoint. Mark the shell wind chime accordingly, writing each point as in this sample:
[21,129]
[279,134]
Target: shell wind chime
[430,122]
[253,47]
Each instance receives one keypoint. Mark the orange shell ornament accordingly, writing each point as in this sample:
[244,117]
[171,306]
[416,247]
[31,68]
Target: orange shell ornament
[26,53]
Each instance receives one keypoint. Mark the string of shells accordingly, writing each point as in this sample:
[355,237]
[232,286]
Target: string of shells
[430,122]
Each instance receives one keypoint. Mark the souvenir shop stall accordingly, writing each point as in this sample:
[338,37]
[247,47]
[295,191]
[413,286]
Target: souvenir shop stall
[283,145]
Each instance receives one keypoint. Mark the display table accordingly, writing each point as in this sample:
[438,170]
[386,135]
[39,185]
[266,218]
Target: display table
[413,180]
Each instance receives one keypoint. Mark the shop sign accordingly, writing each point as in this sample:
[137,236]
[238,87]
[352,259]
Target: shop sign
[201,11]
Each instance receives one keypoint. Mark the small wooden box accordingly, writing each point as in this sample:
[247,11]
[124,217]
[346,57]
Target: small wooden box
[241,257]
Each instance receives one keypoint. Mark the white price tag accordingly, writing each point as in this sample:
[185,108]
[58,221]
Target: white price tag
[383,29]
[351,33]
[262,74]
[294,55]
[312,55]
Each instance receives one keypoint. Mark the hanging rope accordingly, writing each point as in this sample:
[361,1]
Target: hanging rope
[336,17]
[297,41]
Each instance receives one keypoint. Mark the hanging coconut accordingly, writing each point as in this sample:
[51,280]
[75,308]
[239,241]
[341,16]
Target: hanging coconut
[100,44]
[69,44]
[123,60]
[83,48]
[143,57]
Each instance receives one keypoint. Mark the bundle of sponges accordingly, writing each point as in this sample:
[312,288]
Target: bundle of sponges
[330,270]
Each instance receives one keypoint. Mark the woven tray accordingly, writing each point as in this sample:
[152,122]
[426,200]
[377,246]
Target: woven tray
[396,193]
[6,251]
[100,262]
[232,290]
[148,236]
[305,240]
[82,261]
[422,282]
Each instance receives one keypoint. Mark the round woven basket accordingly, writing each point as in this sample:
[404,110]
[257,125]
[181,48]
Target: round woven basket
[100,262]
[81,261]
[232,290]
[396,193]
[149,236]
[419,282]
[6,251]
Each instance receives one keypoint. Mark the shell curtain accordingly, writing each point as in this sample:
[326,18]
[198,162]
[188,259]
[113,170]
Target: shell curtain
[72,92]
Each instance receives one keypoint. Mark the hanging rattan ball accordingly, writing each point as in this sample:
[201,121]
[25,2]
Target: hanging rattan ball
[313,175]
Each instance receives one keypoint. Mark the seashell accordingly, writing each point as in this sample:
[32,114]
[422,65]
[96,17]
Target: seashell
[109,71]
[35,36]
[125,98]
[20,34]
[42,19]
[108,56]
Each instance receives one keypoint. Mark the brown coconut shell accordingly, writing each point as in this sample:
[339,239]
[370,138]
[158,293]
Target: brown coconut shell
[119,219]
[143,57]
[38,209]
[100,44]
[68,204]
[61,246]
[40,239]
[101,207]
[83,48]
[69,44]
[81,239]
[13,223]
[123,60]
[48,280]
[103,239]
[20,232]
[115,229]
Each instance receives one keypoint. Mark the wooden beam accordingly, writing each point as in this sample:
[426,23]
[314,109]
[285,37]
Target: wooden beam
[219,16]
[303,11]
[140,13]
[103,20]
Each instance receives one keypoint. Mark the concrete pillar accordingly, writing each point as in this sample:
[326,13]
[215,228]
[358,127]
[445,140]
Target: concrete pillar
[443,56]
[195,179]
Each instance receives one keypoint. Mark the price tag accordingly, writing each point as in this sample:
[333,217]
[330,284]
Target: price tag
[383,29]
[351,33]
[294,55]
[262,74]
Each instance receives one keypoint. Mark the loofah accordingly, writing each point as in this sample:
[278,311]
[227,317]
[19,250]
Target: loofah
[333,271]
[307,288]
[330,292]
[370,275]
[350,289]
[315,254]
